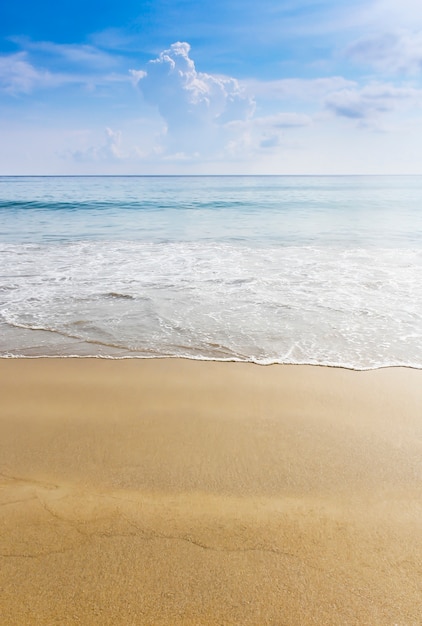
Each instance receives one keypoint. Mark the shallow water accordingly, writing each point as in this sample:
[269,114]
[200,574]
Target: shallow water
[324,270]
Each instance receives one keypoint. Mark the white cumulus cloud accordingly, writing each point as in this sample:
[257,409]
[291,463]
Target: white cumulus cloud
[195,105]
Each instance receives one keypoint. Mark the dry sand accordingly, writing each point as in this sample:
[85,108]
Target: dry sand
[181,492]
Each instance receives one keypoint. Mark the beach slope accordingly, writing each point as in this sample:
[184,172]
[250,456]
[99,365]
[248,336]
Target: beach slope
[168,491]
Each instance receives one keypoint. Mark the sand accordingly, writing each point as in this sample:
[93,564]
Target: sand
[168,491]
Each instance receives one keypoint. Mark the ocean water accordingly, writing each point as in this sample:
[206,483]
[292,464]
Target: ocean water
[317,270]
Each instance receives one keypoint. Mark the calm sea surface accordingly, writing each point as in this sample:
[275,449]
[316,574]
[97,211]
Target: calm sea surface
[324,270]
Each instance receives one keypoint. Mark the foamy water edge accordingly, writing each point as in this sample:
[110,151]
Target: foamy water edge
[260,362]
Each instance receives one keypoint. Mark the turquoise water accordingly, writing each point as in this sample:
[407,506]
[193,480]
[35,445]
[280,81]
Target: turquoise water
[323,270]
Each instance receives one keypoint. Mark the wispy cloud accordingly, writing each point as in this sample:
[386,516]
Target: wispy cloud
[371,101]
[388,15]
[76,54]
[19,76]
[268,132]
[314,89]
[284,120]
[390,52]
[110,150]
[115,39]
[84,56]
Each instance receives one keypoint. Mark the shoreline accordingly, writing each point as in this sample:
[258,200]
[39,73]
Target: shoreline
[182,491]
[259,363]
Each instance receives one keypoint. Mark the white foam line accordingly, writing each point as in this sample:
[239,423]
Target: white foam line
[262,363]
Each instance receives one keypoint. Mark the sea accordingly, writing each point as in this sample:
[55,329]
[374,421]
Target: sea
[323,270]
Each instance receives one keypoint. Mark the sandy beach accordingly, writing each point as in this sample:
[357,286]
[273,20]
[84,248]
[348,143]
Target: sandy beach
[169,491]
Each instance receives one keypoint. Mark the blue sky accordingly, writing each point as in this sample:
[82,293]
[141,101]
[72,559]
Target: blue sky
[277,87]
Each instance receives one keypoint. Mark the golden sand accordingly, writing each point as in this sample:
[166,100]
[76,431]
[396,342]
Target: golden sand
[179,492]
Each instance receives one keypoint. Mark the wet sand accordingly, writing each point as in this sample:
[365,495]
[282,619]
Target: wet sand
[178,492]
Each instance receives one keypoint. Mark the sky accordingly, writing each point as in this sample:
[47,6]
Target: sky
[221,87]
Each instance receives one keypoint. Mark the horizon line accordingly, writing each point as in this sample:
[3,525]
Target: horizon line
[199,175]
